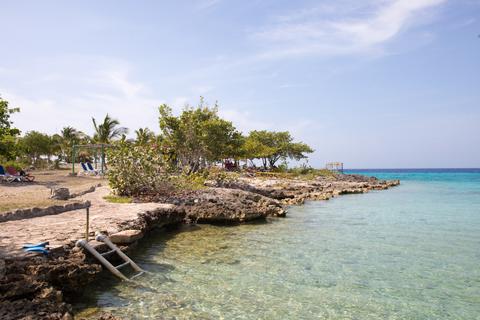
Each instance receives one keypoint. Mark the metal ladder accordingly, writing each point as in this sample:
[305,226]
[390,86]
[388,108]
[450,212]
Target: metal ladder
[113,249]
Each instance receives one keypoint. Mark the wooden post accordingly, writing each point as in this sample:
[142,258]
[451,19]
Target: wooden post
[73,160]
[103,158]
[87,227]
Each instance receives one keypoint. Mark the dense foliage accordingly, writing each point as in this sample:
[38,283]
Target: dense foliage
[136,170]
[271,146]
[7,131]
[144,136]
[35,144]
[38,149]
[198,137]
[191,147]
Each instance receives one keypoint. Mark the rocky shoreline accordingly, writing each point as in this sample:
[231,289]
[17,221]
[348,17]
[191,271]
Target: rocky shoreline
[37,287]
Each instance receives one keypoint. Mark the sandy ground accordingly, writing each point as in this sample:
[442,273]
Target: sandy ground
[18,195]
[69,227]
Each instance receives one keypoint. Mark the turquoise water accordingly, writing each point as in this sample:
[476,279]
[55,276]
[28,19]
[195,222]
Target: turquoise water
[411,252]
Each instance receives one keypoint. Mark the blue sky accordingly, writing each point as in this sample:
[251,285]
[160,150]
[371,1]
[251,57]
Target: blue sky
[384,83]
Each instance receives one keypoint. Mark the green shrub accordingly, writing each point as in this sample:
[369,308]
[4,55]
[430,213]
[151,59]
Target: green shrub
[17,165]
[137,170]
[220,175]
[194,181]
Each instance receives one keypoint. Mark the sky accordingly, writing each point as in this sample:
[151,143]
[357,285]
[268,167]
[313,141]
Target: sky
[373,83]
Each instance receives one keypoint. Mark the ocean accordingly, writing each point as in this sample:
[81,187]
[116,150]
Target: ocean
[410,252]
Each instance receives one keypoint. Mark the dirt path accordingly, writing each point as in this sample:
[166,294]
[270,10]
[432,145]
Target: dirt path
[18,195]
[68,227]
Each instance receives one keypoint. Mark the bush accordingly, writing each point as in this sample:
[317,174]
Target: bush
[137,170]
[17,165]
[220,175]
[194,181]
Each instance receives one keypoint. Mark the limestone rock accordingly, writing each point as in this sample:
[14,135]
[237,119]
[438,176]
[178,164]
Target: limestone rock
[126,236]
[222,205]
[60,193]
[293,191]
[32,287]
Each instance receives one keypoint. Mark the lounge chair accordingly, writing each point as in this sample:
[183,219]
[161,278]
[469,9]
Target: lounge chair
[19,176]
[4,176]
[91,169]
[86,170]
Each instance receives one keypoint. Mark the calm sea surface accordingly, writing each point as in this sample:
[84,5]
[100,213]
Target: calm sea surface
[411,252]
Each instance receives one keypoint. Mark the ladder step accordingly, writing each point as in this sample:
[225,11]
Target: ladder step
[108,252]
[138,274]
[122,265]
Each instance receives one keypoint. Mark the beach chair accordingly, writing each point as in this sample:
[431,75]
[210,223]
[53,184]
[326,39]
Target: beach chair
[86,170]
[91,169]
[4,176]
[18,176]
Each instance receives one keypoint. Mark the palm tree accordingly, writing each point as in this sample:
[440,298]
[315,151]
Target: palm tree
[144,135]
[68,137]
[69,133]
[108,130]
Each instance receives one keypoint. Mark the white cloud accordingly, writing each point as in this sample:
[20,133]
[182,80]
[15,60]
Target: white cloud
[339,33]
[71,94]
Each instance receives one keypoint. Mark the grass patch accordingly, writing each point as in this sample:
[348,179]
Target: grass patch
[118,199]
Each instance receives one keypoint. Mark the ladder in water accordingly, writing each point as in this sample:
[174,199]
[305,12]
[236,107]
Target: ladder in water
[113,249]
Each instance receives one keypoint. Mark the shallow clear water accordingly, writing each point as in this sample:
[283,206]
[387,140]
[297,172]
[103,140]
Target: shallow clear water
[411,252]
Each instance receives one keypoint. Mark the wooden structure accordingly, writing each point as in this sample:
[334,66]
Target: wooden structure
[335,166]
[107,264]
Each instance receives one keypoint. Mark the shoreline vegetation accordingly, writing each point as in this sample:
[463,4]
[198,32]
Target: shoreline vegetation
[200,169]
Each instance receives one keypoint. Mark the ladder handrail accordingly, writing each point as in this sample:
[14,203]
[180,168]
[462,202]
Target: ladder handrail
[103,238]
[105,262]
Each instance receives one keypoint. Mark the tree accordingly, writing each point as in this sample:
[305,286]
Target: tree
[254,148]
[35,145]
[271,146]
[198,136]
[144,136]
[69,137]
[107,130]
[7,132]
